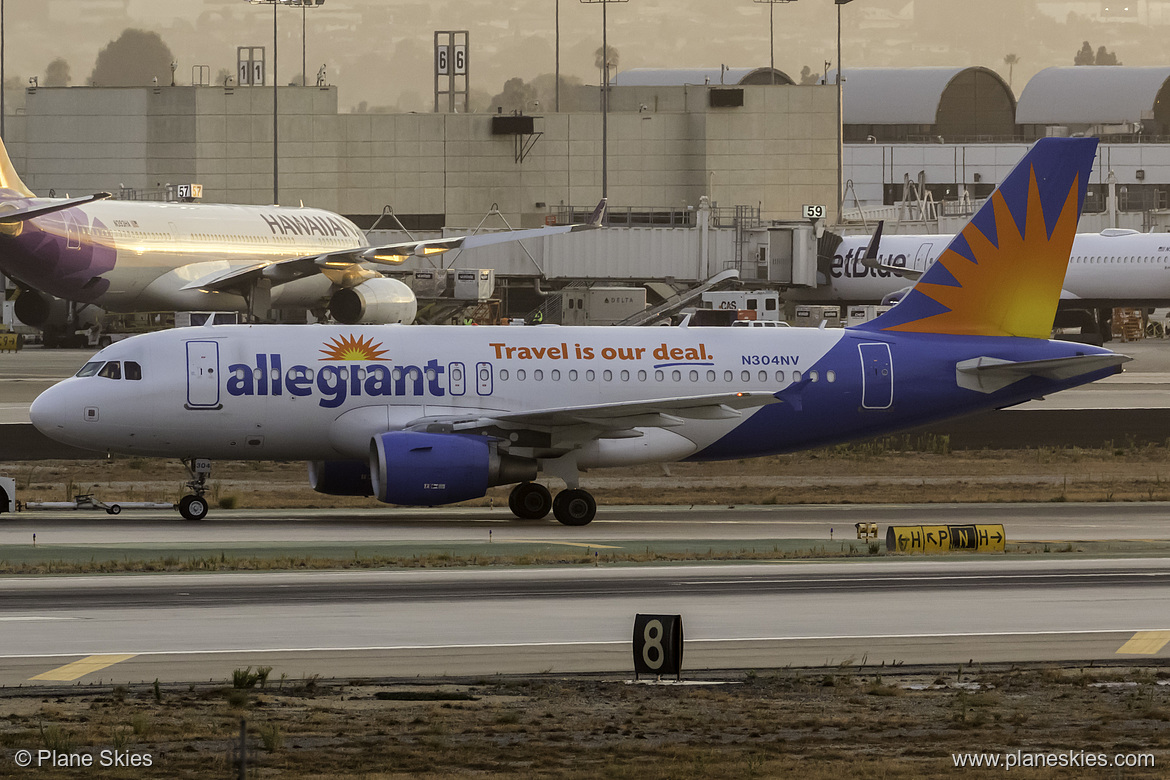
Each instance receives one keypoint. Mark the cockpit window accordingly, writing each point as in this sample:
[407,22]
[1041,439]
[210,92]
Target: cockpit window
[89,369]
[111,370]
[133,370]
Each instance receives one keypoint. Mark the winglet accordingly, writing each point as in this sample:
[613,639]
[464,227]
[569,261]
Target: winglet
[1002,274]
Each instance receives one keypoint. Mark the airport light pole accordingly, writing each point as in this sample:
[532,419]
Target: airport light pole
[604,95]
[557,65]
[772,34]
[840,119]
[272,74]
[304,4]
[1,69]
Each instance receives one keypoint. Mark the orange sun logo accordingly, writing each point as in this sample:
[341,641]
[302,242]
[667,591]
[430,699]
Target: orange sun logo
[350,348]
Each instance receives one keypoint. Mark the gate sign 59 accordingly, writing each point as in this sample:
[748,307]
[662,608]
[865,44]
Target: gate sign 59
[814,211]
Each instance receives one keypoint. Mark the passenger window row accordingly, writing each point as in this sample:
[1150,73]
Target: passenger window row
[1110,259]
[693,375]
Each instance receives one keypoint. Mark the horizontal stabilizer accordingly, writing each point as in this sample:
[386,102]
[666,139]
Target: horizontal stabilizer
[871,259]
[989,374]
[20,215]
[880,265]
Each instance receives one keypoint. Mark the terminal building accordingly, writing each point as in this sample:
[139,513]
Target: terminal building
[708,170]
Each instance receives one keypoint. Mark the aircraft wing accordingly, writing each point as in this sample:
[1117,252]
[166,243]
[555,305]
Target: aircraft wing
[565,427]
[988,374]
[343,266]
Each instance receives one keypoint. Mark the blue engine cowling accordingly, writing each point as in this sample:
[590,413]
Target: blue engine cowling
[428,469]
[340,477]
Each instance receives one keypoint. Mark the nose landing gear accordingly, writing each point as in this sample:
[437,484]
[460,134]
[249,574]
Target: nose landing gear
[195,507]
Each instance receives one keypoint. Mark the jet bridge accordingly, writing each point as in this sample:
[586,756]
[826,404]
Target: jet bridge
[783,253]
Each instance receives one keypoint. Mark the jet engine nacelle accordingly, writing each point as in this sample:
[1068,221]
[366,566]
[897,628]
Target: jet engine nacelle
[340,477]
[428,469]
[374,302]
[36,309]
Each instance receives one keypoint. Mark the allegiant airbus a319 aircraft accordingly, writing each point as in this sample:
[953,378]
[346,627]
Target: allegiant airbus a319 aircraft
[128,256]
[429,415]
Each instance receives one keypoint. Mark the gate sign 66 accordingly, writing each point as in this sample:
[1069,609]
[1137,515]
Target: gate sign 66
[444,56]
[658,644]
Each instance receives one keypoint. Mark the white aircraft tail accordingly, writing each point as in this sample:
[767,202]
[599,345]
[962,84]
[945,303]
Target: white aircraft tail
[9,179]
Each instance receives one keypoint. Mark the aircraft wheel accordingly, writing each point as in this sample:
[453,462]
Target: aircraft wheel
[530,501]
[114,509]
[193,507]
[574,507]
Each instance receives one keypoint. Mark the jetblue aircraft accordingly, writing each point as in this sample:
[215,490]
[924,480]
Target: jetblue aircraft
[129,256]
[427,415]
[1116,267]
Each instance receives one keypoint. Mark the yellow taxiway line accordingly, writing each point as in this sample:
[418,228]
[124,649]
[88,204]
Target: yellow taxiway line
[1145,643]
[78,669]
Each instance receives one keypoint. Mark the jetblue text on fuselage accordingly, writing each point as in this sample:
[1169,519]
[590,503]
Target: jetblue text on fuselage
[333,384]
[851,266]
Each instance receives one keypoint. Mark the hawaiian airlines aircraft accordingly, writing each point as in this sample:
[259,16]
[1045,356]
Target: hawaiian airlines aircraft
[1111,268]
[428,415]
[139,256]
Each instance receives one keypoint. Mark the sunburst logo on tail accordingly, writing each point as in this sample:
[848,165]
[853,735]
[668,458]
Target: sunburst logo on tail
[1002,275]
[351,348]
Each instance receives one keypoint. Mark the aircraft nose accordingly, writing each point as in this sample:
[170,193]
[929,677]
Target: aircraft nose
[49,412]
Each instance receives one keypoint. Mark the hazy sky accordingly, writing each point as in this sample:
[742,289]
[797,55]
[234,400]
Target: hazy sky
[379,51]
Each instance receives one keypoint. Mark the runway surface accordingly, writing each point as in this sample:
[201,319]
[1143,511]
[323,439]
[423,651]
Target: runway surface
[482,622]
[614,525]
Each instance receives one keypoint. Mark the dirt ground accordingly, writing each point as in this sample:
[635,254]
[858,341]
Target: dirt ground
[898,469]
[821,723]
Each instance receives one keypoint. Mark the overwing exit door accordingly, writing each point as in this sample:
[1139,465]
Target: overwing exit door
[203,375]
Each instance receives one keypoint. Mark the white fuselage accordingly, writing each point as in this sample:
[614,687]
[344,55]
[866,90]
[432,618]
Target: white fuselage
[136,256]
[319,392]
[1113,268]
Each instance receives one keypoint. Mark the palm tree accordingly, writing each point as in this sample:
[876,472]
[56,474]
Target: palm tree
[1010,60]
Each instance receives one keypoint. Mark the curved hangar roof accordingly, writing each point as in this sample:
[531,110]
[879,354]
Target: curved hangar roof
[1091,95]
[920,96]
[727,77]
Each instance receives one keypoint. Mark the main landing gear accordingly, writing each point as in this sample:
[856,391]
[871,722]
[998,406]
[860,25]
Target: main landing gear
[195,507]
[532,501]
